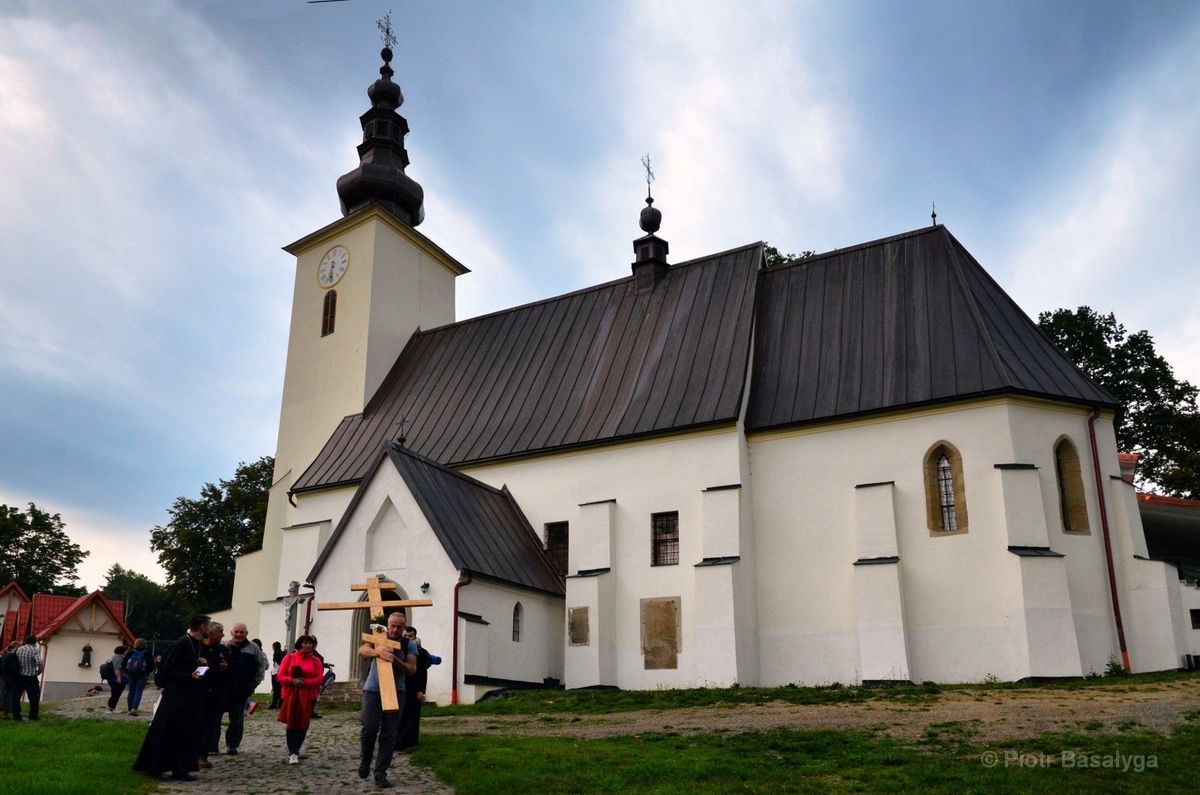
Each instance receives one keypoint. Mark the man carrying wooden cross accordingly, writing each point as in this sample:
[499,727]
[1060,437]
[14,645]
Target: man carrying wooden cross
[401,656]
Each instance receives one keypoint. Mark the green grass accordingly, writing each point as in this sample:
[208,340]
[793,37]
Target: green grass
[590,702]
[56,756]
[792,760]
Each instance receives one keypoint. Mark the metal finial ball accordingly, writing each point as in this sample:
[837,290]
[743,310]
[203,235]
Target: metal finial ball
[386,54]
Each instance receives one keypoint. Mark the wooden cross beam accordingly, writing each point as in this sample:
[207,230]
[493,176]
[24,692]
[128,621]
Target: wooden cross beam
[375,603]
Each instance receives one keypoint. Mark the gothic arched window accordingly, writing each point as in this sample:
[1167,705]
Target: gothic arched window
[1072,508]
[517,623]
[328,313]
[945,495]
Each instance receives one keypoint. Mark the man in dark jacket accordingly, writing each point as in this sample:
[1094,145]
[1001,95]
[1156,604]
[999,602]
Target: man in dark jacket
[414,695]
[247,665]
[214,690]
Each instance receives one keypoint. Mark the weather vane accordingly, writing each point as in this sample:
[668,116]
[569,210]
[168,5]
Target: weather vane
[649,173]
[385,30]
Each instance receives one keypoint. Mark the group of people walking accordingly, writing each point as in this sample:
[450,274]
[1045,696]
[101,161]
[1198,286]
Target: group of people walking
[21,667]
[129,668]
[203,679]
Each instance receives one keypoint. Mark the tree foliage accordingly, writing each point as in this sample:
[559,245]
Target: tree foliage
[36,552]
[198,546]
[775,259]
[151,610]
[1159,418]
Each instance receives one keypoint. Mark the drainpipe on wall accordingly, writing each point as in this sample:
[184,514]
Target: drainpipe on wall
[1108,555]
[464,579]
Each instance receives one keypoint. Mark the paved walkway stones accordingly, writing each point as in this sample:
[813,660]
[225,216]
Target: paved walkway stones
[328,764]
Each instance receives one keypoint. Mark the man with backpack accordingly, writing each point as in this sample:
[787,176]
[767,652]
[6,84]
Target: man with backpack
[112,671]
[138,667]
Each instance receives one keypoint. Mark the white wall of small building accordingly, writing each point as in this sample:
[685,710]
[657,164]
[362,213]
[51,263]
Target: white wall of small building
[63,677]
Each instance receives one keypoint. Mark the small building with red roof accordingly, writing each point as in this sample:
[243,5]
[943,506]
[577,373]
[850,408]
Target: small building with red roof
[65,626]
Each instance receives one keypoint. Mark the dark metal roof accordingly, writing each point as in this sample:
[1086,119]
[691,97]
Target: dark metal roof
[482,529]
[603,364]
[908,320]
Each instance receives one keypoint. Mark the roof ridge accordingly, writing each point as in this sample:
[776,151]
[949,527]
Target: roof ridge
[860,246]
[399,448]
[583,290]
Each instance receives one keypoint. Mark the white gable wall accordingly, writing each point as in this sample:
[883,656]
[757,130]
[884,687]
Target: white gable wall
[385,505]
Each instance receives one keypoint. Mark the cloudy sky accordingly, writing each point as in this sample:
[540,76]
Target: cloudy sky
[155,156]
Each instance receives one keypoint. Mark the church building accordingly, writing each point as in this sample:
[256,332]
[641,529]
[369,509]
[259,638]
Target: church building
[865,465]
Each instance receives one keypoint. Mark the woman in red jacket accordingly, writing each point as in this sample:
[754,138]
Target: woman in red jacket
[300,674]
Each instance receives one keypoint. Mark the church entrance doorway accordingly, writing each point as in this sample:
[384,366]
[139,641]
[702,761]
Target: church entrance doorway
[362,624]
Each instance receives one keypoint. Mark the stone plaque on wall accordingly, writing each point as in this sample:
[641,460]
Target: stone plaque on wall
[661,633]
[577,626]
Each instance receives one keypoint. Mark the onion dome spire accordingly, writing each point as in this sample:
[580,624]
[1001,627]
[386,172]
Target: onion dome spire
[650,249]
[379,177]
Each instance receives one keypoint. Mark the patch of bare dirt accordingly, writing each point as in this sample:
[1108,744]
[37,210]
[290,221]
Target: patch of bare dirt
[991,714]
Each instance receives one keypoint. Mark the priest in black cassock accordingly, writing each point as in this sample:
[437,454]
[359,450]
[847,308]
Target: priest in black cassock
[173,741]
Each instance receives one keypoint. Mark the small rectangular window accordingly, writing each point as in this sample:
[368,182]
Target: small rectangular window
[557,545]
[664,528]
[1195,619]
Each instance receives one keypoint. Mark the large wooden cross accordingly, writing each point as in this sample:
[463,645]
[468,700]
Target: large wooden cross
[375,603]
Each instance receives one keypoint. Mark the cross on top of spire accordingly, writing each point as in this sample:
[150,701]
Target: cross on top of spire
[385,30]
[649,174]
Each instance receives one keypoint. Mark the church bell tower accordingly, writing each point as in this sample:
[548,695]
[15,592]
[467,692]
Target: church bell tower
[363,286]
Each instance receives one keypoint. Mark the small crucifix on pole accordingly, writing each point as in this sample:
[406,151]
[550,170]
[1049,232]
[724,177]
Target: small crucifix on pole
[378,636]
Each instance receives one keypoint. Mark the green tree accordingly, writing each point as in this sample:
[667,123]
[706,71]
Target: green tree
[36,552]
[151,610]
[198,546]
[775,259]
[1159,417]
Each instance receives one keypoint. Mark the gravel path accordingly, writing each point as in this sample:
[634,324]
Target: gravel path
[993,714]
[327,766]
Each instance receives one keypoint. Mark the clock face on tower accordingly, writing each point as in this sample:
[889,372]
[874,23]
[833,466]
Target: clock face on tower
[333,265]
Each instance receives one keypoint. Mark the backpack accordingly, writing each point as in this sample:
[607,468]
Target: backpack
[106,670]
[135,663]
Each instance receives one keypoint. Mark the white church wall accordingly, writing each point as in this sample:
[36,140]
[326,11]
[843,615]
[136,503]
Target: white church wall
[1036,428]
[642,478]
[958,592]
[412,289]
[1150,598]
[1189,605]
[537,655]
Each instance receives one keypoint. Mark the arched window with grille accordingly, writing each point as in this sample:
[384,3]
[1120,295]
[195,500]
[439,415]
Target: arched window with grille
[328,313]
[1072,507]
[945,492]
[517,622]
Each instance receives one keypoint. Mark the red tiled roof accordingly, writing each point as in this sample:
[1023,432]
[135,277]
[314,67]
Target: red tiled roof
[114,609]
[12,627]
[12,586]
[1179,502]
[24,613]
[47,607]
